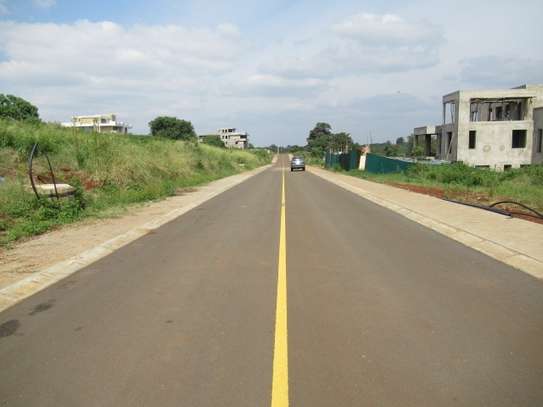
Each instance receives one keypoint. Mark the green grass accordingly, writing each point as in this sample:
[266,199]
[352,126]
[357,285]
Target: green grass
[309,158]
[109,172]
[523,185]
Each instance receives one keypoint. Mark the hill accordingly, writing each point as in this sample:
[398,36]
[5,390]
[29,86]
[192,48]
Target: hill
[109,171]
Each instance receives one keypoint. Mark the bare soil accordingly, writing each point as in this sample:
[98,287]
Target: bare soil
[40,252]
[467,197]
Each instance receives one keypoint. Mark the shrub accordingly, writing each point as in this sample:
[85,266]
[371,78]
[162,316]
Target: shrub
[172,127]
[16,108]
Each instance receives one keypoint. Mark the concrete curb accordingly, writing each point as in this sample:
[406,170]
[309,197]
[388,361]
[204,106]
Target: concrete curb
[30,285]
[492,249]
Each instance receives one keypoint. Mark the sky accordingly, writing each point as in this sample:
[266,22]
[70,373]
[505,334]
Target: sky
[375,69]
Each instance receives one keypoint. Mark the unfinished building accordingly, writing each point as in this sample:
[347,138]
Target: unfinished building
[497,129]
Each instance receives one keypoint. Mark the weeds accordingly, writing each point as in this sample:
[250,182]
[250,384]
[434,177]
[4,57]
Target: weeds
[108,170]
[523,184]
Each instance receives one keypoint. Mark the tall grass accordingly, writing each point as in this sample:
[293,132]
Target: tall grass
[108,171]
[523,184]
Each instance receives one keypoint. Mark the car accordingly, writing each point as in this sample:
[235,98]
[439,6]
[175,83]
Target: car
[297,163]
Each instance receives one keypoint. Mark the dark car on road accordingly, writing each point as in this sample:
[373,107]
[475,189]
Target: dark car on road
[297,163]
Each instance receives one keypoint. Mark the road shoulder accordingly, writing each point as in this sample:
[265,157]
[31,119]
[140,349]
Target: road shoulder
[35,264]
[515,242]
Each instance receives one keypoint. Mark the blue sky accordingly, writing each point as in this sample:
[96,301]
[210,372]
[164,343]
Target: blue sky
[273,68]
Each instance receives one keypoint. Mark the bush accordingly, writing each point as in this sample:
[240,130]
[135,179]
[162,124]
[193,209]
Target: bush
[213,140]
[524,185]
[16,108]
[172,127]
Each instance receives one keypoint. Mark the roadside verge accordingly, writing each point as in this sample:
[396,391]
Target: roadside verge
[515,242]
[71,260]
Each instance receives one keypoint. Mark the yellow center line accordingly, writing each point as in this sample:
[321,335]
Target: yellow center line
[280,348]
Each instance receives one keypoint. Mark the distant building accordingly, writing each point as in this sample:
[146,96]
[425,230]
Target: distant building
[498,129]
[232,138]
[99,123]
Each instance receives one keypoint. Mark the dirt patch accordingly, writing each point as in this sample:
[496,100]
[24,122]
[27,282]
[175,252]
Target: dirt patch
[468,197]
[184,191]
[432,191]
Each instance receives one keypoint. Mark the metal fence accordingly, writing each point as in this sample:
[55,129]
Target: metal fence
[346,161]
[377,164]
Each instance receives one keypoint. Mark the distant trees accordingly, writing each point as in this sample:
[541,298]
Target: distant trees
[321,139]
[172,127]
[213,140]
[16,108]
[341,142]
[400,141]
[391,150]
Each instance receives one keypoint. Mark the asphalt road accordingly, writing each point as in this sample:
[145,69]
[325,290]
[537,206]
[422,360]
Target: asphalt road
[381,312]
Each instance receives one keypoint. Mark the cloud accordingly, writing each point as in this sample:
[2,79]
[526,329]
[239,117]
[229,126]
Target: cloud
[392,104]
[107,52]
[44,3]
[208,75]
[501,71]
[361,44]
[388,30]
[228,29]
[278,86]
[106,49]
[3,8]
[137,71]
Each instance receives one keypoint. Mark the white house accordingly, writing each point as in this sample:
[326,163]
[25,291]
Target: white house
[99,123]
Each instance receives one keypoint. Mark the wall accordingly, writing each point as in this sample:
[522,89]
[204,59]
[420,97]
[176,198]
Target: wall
[494,144]
[538,124]
[442,152]
[494,138]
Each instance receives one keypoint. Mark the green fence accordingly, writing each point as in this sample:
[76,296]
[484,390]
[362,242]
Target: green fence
[347,161]
[377,164]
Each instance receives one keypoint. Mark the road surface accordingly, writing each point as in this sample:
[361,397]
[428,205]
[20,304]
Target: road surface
[380,311]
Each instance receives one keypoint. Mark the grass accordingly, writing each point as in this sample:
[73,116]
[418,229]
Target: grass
[109,172]
[309,158]
[466,183]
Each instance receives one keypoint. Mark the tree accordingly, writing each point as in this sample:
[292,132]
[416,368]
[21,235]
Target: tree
[213,140]
[172,127]
[340,142]
[400,141]
[16,108]
[318,140]
[391,150]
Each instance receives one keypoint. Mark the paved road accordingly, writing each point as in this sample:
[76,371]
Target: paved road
[381,312]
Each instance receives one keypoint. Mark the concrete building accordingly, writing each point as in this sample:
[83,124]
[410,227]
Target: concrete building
[232,138]
[423,137]
[497,129]
[99,123]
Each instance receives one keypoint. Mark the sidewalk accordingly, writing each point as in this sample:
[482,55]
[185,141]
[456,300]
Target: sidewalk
[516,242]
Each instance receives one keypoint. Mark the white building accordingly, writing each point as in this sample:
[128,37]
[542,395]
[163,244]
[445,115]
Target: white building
[232,138]
[99,123]
[498,129]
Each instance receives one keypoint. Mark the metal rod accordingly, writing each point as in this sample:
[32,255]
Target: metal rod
[52,176]
[30,175]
